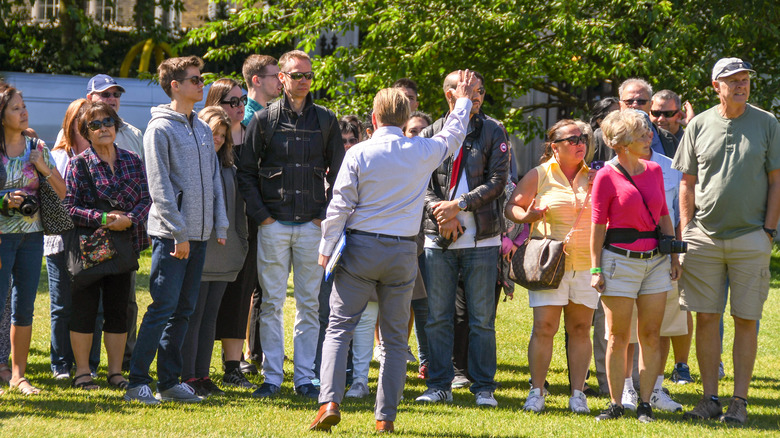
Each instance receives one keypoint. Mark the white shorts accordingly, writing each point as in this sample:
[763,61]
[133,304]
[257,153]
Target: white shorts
[575,287]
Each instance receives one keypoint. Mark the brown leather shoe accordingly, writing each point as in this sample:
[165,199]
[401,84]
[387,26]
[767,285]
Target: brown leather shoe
[327,416]
[384,426]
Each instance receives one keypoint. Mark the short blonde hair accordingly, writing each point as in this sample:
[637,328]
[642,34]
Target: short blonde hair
[621,128]
[288,57]
[391,107]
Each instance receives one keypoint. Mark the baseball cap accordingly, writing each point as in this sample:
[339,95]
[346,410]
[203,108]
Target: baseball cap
[100,83]
[728,66]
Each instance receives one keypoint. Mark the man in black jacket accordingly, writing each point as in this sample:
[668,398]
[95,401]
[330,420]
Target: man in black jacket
[290,149]
[463,206]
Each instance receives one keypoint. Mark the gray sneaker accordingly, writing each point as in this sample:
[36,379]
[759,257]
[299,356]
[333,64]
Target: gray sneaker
[460,381]
[141,394]
[706,409]
[180,393]
[736,413]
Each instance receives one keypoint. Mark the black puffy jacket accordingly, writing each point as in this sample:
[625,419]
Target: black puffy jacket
[486,160]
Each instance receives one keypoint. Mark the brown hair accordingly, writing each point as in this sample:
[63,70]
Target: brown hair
[287,57]
[391,107]
[90,110]
[255,66]
[215,117]
[173,69]
[7,92]
[219,90]
[552,135]
[68,140]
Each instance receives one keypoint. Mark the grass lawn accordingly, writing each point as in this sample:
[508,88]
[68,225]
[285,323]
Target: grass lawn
[62,411]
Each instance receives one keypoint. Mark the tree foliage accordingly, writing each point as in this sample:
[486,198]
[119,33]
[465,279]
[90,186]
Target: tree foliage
[575,52]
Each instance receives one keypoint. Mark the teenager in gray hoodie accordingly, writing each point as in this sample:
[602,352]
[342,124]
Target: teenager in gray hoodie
[186,189]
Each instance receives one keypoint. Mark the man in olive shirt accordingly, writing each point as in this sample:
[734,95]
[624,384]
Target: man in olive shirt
[729,209]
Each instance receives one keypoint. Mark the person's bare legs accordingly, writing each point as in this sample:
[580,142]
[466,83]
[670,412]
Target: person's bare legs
[708,350]
[81,343]
[744,354]
[649,321]
[20,349]
[577,319]
[232,348]
[115,350]
[546,322]
[681,345]
[617,312]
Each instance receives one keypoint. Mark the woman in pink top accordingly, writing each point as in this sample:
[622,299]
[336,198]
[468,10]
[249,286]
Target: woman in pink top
[557,190]
[626,266]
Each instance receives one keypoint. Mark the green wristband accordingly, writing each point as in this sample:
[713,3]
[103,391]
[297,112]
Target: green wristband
[103,219]
[595,270]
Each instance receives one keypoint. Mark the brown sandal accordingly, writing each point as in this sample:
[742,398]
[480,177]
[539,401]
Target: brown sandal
[25,387]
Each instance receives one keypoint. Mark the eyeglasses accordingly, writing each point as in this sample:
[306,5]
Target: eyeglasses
[574,139]
[297,76]
[639,102]
[351,141]
[195,80]
[666,114]
[107,94]
[234,101]
[95,124]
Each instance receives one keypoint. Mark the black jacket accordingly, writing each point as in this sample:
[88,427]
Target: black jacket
[605,153]
[285,179]
[486,160]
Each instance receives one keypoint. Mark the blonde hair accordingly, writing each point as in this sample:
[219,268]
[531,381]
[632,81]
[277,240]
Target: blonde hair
[621,128]
[288,57]
[217,117]
[391,107]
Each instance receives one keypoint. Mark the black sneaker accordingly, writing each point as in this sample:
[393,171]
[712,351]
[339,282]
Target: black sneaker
[237,378]
[308,390]
[644,413]
[266,390]
[210,387]
[612,412]
[196,386]
[247,368]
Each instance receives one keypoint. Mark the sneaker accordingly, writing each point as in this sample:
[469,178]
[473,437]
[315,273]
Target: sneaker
[460,381]
[195,384]
[357,390]
[736,413]
[316,382]
[590,392]
[535,401]
[706,409]
[423,372]
[644,413]
[210,387]
[433,395]
[266,390]
[545,391]
[578,403]
[630,398]
[721,371]
[485,398]
[62,374]
[180,393]
[379,352]
[308,390]
[661,400]
[237,378]
[141,394]
[681,374]
[410,356]
[612,412]
[247,368]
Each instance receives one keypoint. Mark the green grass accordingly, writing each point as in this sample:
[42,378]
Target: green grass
[62,411]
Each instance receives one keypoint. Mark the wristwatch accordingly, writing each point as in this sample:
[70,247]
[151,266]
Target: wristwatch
[771,232]
[462,203]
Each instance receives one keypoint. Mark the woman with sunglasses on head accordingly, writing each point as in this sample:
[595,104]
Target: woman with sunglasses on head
[553,199]
[26,161]
[117,177]
[629,208]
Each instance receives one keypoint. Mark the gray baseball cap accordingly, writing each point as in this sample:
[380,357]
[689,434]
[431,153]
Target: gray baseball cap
[728,66]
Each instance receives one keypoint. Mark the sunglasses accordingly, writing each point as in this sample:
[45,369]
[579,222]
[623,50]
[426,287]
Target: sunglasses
[666,114]
[195,80]
[234,101]
[481,91]
[107,94]
[733,67]
[297,76]
[96,124]
[574,139]
[351,141]
[635,101]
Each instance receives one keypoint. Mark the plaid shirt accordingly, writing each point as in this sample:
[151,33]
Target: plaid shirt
[126,189]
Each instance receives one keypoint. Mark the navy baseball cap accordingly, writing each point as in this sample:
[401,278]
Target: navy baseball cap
[100,83]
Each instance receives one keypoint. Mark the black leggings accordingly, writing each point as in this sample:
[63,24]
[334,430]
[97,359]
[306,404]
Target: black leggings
[116,293]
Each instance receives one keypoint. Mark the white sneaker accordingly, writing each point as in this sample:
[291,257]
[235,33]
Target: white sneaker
[433,395]
[379,352]
[535,401]
[660,400]
[630,398]
[485,398]
[578,403]
[357,390]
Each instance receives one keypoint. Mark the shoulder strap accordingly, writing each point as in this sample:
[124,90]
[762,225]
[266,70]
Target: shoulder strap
[274,110]
[323,118]
[628,177]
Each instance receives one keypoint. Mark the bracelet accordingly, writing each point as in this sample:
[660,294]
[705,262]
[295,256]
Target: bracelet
[595,270]
[48,176]
[103,219]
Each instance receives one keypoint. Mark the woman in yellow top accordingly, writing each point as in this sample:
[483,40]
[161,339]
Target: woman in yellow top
[557,190]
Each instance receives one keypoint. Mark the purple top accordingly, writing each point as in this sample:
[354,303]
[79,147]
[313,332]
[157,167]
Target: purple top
[126,189]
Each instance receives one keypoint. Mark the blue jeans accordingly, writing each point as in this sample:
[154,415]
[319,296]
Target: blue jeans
[61,308]
[21,255]
[420,308]
[479,270]
[174,285]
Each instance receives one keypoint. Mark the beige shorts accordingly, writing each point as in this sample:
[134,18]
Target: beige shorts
[627,277]
[575,287]
[711,264]
[675,321]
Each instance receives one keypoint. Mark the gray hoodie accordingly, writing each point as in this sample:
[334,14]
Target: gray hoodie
[184,178]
